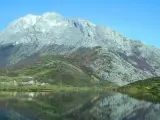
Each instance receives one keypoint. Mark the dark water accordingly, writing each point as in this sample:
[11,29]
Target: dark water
[75,106]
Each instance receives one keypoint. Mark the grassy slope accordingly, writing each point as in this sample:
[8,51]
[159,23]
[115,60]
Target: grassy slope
[148,89]
[53,69]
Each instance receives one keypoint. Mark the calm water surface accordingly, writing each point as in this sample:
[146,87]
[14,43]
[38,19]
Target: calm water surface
[75,106]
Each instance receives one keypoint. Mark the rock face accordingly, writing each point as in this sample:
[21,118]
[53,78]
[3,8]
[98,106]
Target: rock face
[117,58]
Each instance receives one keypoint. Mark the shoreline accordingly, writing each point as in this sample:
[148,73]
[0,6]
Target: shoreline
[52,88]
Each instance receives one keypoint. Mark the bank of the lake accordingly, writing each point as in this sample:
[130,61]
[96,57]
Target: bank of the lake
[51,88]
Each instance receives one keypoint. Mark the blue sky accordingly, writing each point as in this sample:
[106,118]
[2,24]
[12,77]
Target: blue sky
[137,19]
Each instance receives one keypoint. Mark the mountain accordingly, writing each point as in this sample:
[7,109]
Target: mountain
[110,55]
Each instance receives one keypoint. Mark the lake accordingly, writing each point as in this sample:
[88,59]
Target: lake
[75,106]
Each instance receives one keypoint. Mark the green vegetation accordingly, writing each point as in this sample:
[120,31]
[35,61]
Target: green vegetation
[49,88]
[50,73]
[148,89]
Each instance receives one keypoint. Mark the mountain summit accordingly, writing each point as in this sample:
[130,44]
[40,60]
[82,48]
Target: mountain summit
[109,54]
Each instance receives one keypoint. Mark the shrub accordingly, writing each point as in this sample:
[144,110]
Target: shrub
[12,74]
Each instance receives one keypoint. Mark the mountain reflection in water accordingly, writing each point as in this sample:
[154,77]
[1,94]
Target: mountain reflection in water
[75,106]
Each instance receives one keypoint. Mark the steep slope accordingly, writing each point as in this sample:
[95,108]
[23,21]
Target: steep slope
[108,66]
[50,33]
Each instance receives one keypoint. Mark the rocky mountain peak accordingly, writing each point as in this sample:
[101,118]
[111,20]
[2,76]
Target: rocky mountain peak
[51,15]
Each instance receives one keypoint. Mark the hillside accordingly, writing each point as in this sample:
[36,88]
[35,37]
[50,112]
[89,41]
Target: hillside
[148,89]
[50,70]
[150,84]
